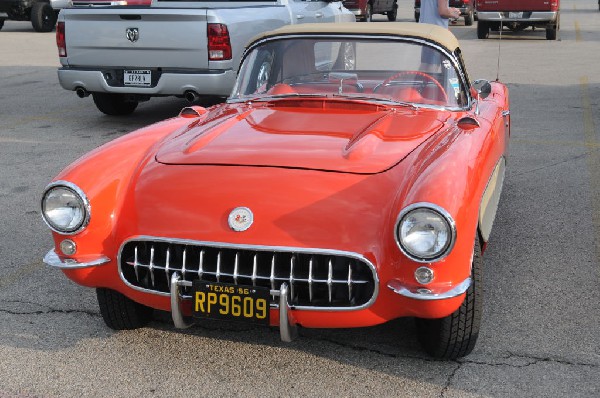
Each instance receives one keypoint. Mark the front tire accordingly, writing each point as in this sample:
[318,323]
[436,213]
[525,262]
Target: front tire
[455,336]
[114,104]
[43,17]
[1,23]
[483,30]
[120,312]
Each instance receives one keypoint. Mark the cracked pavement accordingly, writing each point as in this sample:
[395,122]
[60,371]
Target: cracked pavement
[539,336]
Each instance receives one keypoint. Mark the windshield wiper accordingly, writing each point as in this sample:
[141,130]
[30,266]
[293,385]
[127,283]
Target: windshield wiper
[266,98]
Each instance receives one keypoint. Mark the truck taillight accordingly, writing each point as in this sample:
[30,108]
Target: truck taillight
[219,45]
[60,39]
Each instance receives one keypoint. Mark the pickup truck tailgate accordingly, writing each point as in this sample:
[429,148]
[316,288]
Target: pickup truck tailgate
[517,5]
[101,38]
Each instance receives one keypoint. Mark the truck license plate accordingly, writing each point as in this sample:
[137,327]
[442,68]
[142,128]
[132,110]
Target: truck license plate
[515,15]
[137,77]
[230,302]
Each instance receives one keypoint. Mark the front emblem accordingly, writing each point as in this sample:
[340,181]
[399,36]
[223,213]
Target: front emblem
[133,34]
[240,219]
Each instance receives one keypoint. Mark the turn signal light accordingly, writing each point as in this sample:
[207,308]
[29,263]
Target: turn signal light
[60,39]
[219,45]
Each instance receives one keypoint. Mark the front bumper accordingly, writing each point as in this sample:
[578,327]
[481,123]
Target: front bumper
[218,83]
[527,16]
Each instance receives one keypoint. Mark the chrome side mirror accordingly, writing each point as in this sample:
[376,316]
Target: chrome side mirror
[483,87]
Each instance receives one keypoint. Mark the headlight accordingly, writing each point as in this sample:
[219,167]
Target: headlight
[425,232]
[65,208]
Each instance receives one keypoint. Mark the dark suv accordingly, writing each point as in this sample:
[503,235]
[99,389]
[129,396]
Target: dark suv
[466,7]
[41,13]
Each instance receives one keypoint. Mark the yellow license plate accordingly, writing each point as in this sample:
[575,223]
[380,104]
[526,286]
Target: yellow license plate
[230,302]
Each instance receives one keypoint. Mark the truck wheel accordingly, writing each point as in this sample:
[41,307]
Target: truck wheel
[43,17]
[120,312]
[114,104]
[455,335]
[551,32]
[391,15]
[483,30]
[469,18]
[1,23]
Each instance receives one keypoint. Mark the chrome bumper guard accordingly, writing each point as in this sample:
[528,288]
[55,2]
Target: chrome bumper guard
[288,330]
[52,259]
[424,293]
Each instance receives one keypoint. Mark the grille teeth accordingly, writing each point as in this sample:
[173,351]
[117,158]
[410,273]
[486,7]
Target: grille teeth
[317,279]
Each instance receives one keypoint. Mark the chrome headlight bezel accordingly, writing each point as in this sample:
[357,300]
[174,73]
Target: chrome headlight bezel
[437,210]
[84,205]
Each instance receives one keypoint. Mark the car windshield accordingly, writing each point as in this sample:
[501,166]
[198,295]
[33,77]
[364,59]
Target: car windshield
[402,72]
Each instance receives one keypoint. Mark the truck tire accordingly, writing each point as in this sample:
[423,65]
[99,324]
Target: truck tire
[469,18]
[455,336]
[552,30]
[483,30]
[43,17]
[114,104]
[391,15]
[120,312]
[1,23]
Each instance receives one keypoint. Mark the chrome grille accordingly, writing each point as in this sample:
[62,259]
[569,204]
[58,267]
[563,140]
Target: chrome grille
[317,279]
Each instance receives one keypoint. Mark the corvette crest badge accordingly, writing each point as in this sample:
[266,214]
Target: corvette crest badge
[240,219]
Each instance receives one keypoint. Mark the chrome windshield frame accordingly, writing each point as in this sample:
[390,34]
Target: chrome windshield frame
[387,37]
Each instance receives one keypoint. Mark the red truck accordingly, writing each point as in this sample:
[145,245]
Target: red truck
[466,7]
[364,9]
[517,15]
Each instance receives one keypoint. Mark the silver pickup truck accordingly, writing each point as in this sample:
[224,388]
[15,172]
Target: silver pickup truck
[191,49]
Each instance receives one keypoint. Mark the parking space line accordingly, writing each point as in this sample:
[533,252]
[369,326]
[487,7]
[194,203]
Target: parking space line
[577,32]
[593,162]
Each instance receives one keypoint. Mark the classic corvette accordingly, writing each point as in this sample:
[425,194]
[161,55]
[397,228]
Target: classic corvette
[351,178]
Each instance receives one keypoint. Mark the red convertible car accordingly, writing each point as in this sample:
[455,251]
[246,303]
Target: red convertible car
[351,178]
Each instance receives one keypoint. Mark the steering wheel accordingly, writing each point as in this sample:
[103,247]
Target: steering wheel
[424,75]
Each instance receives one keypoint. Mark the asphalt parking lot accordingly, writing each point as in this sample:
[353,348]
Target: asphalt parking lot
[540,334]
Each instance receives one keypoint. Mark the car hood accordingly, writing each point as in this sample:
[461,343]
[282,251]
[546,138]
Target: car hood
[316,135]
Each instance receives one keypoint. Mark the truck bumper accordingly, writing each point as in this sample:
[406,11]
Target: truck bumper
[217,83]
[526,16]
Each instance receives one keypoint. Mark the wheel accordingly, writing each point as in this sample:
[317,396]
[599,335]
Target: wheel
[552,30]
[120,312]
[469,18]
[369,13]
[263,74]
[391,15]
[417,16]
[551,33]
[1,23]
[114,104]
[483,30]
[455,335]
[43,17]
